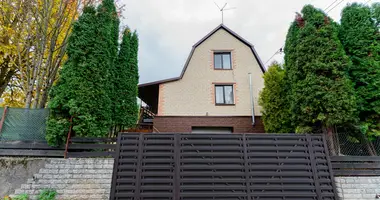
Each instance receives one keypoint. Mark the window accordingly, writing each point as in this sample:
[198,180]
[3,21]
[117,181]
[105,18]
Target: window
[222,60]
[224,94]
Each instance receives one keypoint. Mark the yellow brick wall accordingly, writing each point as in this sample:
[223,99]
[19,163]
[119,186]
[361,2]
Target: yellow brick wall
[193,95]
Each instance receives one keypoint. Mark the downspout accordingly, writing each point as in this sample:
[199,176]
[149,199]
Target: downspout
[251,95]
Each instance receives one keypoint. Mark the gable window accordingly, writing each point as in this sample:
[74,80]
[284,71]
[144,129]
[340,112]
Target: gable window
[224,94]
[222,60]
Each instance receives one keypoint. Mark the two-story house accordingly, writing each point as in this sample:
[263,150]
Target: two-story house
[217,91]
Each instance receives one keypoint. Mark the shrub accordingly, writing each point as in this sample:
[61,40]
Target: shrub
[21,197]
[47,194]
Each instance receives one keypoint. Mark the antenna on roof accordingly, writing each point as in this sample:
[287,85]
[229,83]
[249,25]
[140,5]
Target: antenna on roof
[223,9]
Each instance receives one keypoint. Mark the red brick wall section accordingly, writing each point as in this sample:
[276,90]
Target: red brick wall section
[183,124]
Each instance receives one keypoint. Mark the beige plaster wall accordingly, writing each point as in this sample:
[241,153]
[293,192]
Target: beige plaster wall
[193,95]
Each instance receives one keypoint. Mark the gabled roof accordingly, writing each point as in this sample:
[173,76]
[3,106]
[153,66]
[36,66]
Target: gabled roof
[221,26]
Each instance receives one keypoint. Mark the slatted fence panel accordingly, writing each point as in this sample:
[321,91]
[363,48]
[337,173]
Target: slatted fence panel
[81,147]
[356,165]
[222,166]
[30,149]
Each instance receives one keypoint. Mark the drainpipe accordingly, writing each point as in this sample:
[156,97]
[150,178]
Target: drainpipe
[251,95]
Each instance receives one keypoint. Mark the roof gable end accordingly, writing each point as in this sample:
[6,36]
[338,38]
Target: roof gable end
[221,26]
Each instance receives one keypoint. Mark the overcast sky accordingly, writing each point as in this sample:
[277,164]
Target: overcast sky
[168,28]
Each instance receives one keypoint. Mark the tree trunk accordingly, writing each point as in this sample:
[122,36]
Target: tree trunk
[330,141]
[44,96]
[337,142]
[43,36]
[4,81]
[38,89]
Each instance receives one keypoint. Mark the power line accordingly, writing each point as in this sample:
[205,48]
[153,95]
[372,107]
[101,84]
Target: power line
[367,2]
[331,4]
[280,50]
[334,6]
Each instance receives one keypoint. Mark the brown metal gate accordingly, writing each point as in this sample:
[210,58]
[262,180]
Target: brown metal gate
[221,166]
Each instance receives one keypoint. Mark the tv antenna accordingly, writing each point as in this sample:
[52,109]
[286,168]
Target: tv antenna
[223,9]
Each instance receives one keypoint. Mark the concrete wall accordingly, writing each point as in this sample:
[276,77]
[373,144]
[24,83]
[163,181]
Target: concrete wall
[86,178]
[358,188]
[194,94]
[15,171]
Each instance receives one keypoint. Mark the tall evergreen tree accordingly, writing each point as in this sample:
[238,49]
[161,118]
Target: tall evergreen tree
[108,47]
[360,37]
[121,79]
[274,101]
[376,14]
[82,93]
[321,93]
[126,109]
[133,83]
[79,92]
[109,21]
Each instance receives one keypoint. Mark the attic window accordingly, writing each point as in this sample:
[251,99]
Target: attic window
[222,60]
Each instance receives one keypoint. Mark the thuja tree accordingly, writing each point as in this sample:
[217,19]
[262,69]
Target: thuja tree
[360,37]
[74,81]
[97,87]
[109,21]
[274,101]
[321,93]
[81,95]
[126,109]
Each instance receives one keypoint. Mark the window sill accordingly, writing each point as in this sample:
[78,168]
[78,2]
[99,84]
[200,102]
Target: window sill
[222,69]
[222,104]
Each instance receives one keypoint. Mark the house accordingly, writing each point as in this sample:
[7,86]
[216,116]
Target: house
[213,92]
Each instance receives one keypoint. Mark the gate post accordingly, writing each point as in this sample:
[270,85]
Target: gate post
[327,152]
[115,164]
[313,166]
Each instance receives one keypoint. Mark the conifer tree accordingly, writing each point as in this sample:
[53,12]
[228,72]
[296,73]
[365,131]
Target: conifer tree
[79,93]
[134,80]
[321,94]
[360,37]
[126,109]
[274,101]
[81,96]
[109,23]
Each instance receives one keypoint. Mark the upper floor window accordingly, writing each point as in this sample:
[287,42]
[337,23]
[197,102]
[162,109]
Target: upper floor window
[222,60]
[224,94]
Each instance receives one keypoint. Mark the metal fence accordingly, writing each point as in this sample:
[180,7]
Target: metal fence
[21,124]
[222,166]
[349,144]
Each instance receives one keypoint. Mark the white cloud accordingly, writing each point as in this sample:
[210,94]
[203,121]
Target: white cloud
[168,28]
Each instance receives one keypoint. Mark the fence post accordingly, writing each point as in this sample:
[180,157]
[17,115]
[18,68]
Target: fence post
[68,137]
[3,118]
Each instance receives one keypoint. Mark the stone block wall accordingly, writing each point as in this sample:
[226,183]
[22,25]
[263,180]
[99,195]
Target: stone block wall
[86,178]
[90,178]
[358,188]
[15,171]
